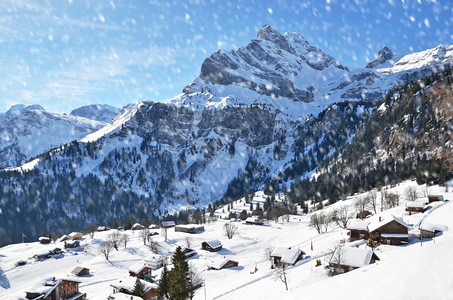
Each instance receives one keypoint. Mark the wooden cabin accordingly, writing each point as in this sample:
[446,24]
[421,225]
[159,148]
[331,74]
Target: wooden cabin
[71,244]
[346,259]
[358,229]
[389,230]
[44,240]
[140,271]
[428,230]
[432,198]
[75,236]
[155,261]
[188,252]
[168,224]
[189,228]
[282,256]
[223,264]
[126,286]
[81,271]
[212,246]
[56,289]
[415,207]
[254,220]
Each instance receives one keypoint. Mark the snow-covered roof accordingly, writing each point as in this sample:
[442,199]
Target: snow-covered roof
[75,234]
[214,243]
[254,219]
[415,204]
[154,258]
[288,255]
[128,283]
[357,224]
[385,220]
[168,223]
[137,268]
[354,257]
[433,227]
[220,264]
[394,235]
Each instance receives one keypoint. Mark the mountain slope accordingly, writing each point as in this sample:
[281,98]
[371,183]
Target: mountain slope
[98,112]
[274,110]
[30,130]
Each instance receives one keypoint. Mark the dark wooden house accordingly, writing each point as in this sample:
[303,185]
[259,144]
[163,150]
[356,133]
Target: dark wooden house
[358,229]
[188,252]
[415,207]
[212,246]
[282,256]
[189,228]
[254,220]
[126,286]
[346,259]
[389,230]
[223,264]
[140,271]
[432,198]
[81,271]
[44,240]
[57,289]
[71,244]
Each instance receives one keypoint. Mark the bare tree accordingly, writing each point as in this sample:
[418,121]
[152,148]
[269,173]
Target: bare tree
[411,193]
[114,239]
[337,257]
[195,280]
[189,241]
[230,230]
[268,252]
[154,246]
[360,205]
[341,216]
[325,221]
[125,239]
[105,248]
[144,235]
[280,273]
[316,221]
[372,200]
[91,229]
[391,199]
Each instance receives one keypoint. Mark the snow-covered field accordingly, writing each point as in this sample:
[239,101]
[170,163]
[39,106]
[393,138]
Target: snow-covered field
[413,271]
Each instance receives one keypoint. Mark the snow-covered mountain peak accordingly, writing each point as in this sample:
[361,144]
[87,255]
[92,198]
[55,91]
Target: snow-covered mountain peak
[267,33]
[18,108]
[99,112]
[384,58]
[440,55]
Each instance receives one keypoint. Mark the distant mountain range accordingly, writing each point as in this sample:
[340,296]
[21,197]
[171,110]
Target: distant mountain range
[264,116]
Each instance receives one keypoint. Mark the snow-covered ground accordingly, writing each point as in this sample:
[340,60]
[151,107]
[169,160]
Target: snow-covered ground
[414,271]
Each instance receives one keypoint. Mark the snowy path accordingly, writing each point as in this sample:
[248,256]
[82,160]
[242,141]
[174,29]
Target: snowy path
[425,215]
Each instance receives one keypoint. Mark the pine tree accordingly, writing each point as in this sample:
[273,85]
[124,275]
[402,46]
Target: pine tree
[139,288]
[179,283]
[162,291]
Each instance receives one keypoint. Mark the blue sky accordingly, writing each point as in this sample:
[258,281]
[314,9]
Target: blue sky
[65,54]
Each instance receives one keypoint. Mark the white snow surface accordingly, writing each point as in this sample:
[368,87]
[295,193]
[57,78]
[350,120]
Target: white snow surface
[425,264]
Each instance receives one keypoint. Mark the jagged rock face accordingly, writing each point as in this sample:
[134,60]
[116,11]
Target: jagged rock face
[268,65]
[384,55]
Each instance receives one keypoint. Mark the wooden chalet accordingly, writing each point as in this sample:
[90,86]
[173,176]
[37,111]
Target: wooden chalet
[102,228]
[254,220]
[188,252]
[223,264]
[212,246]
[364,214]
[153,226]
[81,271]
[123,296]
[358,229]
[48,253]
[71,244]
[346,259]
[282,256]
[126,286]
[140,271]
[428,230]
[44,240]
[415,207]
[75,235]
[189,228]
[432,198]
[137,226]
[390,230]
[168,224]
[155,261]
[56,289]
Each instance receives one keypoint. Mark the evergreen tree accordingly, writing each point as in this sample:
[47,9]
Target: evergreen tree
[179,283]
[139,289]
[162,291]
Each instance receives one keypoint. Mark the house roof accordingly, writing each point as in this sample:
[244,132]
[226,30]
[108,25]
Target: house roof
[357,224]
[48,286]
[190,226]
[75,234]
[168,223]
[214,243]
[79,269]
[138,268]
[128,283]
[354,257]
[254,219]
[433,227]
[154,258]
[415,204]
[220,264]
[387,219]
[288,255]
